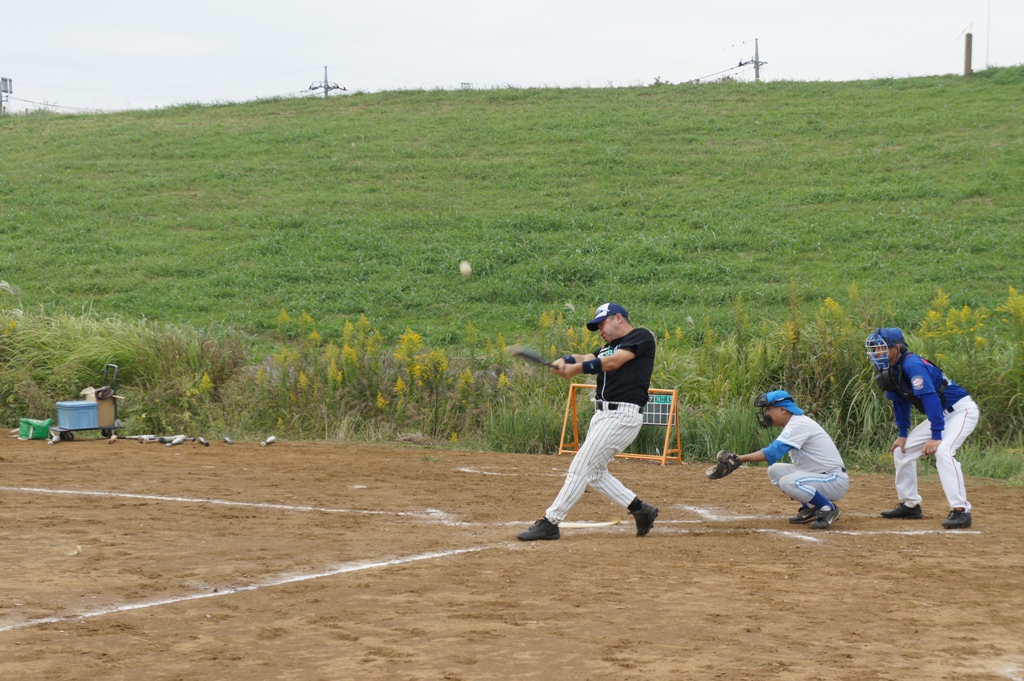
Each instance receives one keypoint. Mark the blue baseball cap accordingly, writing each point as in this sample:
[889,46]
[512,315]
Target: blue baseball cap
[892,336]
[604,312]
[781,398]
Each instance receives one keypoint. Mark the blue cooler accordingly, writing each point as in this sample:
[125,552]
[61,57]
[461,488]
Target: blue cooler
[77,415]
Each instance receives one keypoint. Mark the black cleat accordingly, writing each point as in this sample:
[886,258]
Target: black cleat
[542,529]
[958,519]
[826,518]
[901,510]
[805,515]
[644,517]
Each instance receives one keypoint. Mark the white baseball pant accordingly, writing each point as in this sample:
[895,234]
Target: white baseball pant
[959,424]
[610,433]
[801,485]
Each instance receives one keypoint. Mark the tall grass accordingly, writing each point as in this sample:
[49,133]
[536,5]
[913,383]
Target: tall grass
[360,386]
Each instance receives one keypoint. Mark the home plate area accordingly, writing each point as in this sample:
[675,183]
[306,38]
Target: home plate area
[319,560]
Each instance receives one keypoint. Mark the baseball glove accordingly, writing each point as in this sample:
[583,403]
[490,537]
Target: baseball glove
[725,462]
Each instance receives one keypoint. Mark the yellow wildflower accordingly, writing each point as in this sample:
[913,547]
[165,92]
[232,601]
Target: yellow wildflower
[409,344]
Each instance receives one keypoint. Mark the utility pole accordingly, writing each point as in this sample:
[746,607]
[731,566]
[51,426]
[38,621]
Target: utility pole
[756,61]
[988,32]
[6,88]
[326,85]
[967,54]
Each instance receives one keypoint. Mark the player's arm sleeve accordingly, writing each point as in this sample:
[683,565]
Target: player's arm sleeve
[617,359]
[933,410]
[901,412]
[775,451]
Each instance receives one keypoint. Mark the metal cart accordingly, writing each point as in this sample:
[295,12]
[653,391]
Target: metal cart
[66,434]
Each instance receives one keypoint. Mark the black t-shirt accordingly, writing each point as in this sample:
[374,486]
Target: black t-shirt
[630,382]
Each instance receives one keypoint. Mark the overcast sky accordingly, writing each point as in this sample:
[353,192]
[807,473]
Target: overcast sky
[118,54]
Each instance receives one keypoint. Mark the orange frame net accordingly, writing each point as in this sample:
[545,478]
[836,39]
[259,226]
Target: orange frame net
[656,413]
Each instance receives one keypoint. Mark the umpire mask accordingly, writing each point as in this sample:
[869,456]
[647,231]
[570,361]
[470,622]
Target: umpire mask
[761,404]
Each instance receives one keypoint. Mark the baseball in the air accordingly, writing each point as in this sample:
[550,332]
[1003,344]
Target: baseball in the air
[465,268]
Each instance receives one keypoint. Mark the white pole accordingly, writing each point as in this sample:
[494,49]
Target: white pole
[988,33]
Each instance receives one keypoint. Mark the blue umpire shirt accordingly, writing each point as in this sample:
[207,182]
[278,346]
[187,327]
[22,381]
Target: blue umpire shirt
[923,378]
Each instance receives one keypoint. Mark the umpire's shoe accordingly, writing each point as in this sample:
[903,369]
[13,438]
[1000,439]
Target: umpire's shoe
[826,518]
[805,515]
[958,519]
[901,510]
[542,529]
[644,517]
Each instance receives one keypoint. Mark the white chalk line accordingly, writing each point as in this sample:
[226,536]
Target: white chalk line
[739,530]
[430,513]
[944,532]
[337,570]
[470,469]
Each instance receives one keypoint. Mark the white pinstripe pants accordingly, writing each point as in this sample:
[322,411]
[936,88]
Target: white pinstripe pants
[609,434]
[959,424]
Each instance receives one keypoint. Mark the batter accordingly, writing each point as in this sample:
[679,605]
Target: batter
[623,367]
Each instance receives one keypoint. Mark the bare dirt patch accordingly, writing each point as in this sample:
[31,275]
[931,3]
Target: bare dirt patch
[327,561]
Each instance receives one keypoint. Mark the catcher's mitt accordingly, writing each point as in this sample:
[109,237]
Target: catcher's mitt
[725,462]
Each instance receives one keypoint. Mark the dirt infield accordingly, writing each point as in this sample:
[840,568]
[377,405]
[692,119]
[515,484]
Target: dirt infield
[323,561]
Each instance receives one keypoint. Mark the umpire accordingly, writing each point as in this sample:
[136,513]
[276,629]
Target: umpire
[623,367]
[911,380]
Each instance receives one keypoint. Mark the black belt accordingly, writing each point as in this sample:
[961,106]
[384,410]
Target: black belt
[614,406]
[842,469]
[948,410]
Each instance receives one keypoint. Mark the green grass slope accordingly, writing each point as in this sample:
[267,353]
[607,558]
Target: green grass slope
[673,200]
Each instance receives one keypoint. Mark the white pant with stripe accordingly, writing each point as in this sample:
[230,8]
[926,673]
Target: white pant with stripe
[959,424]
[609,434]
[801,485]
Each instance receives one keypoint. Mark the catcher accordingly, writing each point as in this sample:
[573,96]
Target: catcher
[817,477]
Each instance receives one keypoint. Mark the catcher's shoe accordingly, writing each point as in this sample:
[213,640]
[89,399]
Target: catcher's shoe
[805,515]
[542,529]
[958,519]
[826,518]
[644,517]
[901,510]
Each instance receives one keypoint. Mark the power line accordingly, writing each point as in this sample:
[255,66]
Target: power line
[53,106]
[166,87]
[731,68]
[683,61]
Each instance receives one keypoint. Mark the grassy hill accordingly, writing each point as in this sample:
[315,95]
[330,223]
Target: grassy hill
[673,200]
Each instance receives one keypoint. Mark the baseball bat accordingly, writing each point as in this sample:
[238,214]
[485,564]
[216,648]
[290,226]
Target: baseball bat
[528,354]
[269,441]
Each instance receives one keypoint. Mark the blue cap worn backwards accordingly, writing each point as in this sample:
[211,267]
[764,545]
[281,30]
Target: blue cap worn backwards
[892,336]
[604,312]
[781,398]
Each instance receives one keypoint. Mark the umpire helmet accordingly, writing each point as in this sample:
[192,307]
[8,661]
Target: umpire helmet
[878,344]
